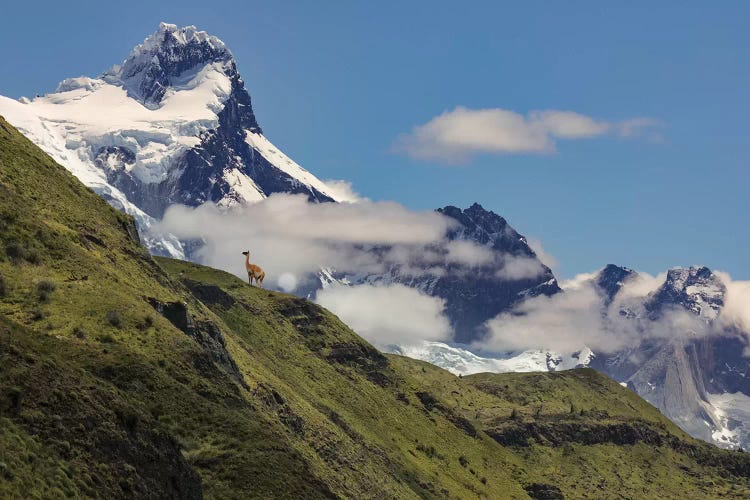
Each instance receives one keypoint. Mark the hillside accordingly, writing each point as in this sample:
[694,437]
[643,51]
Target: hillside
[125,376]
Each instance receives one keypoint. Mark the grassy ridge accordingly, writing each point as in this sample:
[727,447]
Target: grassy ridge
[125,376]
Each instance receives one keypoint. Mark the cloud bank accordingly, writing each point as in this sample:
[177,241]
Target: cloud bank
[292,239]
[579,317]
[455,136]
[392,314]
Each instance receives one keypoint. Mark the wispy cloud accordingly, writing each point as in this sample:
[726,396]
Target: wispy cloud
[455,136]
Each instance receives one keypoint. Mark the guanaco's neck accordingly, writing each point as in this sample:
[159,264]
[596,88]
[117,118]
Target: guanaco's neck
[247,260]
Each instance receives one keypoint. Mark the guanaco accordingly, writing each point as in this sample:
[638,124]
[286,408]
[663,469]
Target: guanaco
[254,272]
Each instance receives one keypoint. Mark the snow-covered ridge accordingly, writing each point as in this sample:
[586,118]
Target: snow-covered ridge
[459,360]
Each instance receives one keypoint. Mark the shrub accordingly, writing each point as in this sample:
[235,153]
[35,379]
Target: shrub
[538,412]
[33,256]
[3,287]
[44,288]
[114,318]
[15,251]
[463,461]
[37,315]
[514,415]
[78,332]
[106,338]
[427,450]
[148,322]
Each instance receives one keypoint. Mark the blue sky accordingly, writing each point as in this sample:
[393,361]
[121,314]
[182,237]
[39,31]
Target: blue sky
[335,83]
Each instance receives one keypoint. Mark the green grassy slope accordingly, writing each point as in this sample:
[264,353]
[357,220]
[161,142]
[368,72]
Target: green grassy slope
[121,375]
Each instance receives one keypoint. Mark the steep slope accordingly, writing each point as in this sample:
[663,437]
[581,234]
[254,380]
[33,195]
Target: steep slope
[122,377]
[612,441]
[172,124]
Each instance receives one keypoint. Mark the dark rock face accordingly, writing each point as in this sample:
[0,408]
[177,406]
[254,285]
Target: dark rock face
[474,296]
[543,491]
[206,333]
[611,279]
[725,364]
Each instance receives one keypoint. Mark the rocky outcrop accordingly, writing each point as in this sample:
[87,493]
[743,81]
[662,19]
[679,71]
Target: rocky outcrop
[206,333]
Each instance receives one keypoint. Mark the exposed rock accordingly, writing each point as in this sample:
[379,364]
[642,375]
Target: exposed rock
[206,333]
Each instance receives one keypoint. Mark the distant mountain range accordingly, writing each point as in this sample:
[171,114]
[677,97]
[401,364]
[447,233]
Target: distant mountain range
[695,372]
[174,124]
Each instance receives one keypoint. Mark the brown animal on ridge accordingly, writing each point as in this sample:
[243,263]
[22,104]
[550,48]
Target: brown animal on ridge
[253,272]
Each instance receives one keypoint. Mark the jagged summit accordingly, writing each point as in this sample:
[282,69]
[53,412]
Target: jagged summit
[611,279]
[487,228]
[165,56]
[695,288]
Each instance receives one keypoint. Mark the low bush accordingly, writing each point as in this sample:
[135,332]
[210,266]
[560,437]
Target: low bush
[114,318]
[44,288]
[17,251]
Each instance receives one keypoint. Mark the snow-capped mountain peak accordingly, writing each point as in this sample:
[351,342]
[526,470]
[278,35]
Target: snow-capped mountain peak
[172,124]
[695,288]
[165,56]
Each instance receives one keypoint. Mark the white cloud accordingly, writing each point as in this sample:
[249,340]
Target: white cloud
[519,268]
[393,314]
[567,124]
[469,253]
[343,191]
[564,322]
[736,310]
[547,259]
[292,238]
[455,136]
[567,321]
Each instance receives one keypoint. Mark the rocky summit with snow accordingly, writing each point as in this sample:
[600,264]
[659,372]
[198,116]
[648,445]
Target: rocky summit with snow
[172,124]
[693,369]
[507,272]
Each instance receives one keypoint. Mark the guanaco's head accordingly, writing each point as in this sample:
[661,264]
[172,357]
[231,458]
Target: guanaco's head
[246,252]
